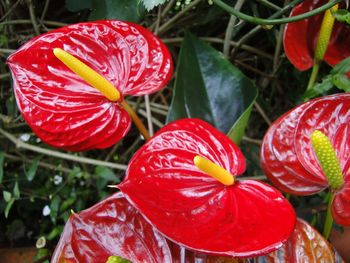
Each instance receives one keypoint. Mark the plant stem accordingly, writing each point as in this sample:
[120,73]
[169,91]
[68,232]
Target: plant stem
[261,21]
[149,115]
[229,29]
[66,156]
[313,77]
[256,29]
[32,17]
[329,218]
[166,25]
[138,123]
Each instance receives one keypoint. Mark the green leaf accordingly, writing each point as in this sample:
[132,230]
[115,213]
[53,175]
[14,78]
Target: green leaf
[341,82]
[11,107]
[342,15]
[106,174]
[2,157]
[54,206]
[30,173]
[342,67]
[16,192]
[209,87]
[67,204]
[7,196]
[150,4]
[319,88]
[127,10]
[55,233]
[8,207]
[77,5]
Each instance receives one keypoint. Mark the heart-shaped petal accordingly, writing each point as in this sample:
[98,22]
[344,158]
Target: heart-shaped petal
[193,209]
[304,245]
[63,109]
[289,160]
[110,228]
[300,38]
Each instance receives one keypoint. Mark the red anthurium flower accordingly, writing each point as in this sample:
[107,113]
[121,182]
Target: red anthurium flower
[168,181]
[62,108]
[110,228]
[304,245]
[300,38]
[288,157]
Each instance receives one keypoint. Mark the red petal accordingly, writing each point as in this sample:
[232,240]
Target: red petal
[195,210]
[111,227]
[304,245]
[341,204]
[61,107]
[287,143]
[288,158]
[300,38]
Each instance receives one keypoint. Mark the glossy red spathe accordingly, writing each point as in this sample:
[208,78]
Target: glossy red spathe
[304,245]
[60,107]
[193,209]
[288,158]
[110,228]
[300,38]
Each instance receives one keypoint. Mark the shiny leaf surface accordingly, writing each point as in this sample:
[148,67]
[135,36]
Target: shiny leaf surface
[288,158]
[193,209]
[304,245]
[60,107]
[110,228]
[300,38]
[215,90]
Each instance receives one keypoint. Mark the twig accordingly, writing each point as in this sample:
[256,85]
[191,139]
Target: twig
[66,156]
[7,50]
[167,8]
[27,21]
[256,29]
[254,69]
[166,25]
[251,140]
[149,116]
[262,113]
[46,6]
[42,164]
[32,17]
[221,41]
[262,21]
[229,29]
[154,120]
[157,25]
[257,177]
[4,76]
[10,10]
[278,49]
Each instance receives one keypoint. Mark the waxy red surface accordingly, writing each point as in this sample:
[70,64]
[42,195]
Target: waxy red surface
[60,107]
[304,245]
[110,228]
[288,158]
[195,210]
[300,38]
